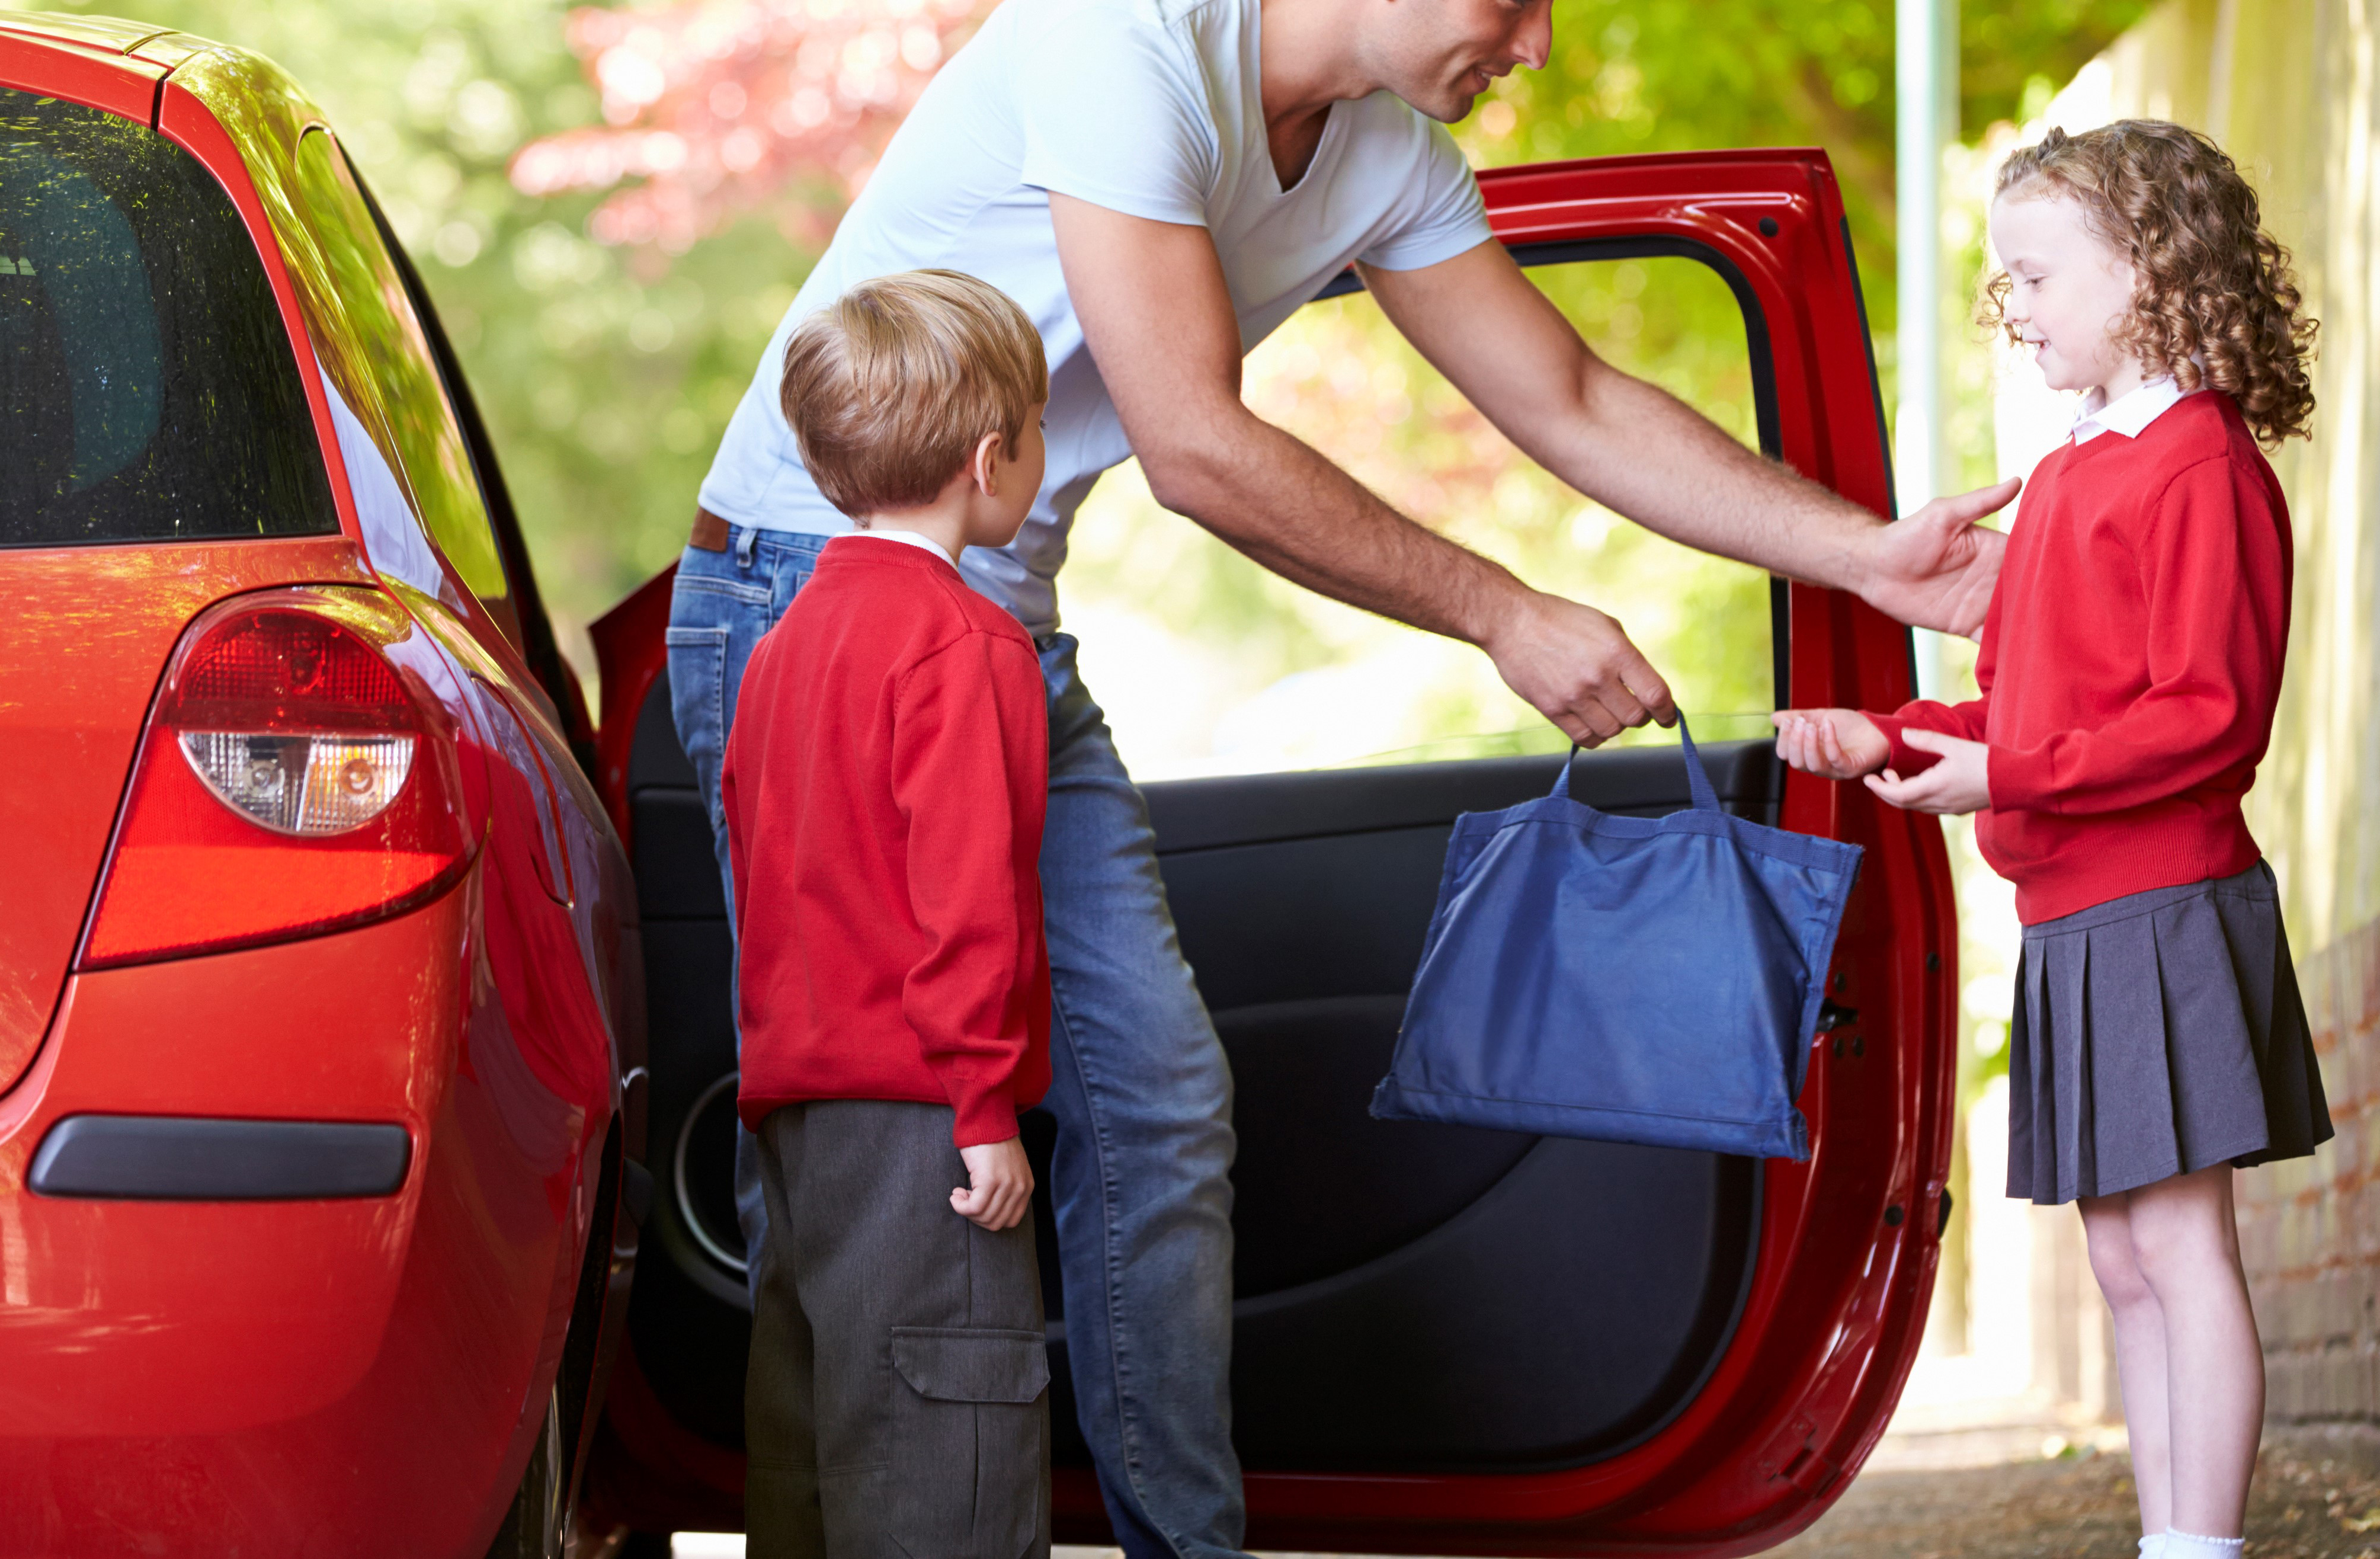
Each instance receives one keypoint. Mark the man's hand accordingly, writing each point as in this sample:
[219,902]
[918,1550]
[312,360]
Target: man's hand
[1643,454]
[1961,782]
[1000,1185]
[1576,668]
[1838,744]
[1937,567]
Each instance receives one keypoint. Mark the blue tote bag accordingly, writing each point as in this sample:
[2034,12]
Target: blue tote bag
[1630,980]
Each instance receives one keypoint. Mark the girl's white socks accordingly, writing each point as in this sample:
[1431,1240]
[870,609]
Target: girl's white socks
[2188,1545]
[2152,1546]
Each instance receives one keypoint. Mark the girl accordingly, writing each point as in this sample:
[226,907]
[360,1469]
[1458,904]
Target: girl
[2130,668]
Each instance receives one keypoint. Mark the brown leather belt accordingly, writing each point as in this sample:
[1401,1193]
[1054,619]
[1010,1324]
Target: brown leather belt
[710,531]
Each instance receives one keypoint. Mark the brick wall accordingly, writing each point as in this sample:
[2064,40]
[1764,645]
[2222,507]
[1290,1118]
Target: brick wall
[2310,1228]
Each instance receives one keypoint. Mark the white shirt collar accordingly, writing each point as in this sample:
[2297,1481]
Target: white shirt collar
[912,539]
[2128,414]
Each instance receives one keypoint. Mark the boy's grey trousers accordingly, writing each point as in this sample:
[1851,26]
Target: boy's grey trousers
[897,1403]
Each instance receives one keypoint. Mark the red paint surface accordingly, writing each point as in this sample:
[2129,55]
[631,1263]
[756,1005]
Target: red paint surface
[59,58]
[88,632]
[330,1377]
[1838,1297]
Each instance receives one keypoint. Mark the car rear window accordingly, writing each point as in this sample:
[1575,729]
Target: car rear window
[148,390]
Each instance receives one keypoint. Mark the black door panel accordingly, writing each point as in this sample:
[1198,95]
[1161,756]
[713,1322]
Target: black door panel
[1565,1314]
[1409,1295]
[1320,1188]
[1338,916]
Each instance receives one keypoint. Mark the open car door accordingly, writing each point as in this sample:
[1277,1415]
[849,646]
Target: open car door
[1448,1341]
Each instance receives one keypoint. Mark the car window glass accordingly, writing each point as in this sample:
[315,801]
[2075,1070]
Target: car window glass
[148,390]
[1206,664]
[392,537]
[377,353]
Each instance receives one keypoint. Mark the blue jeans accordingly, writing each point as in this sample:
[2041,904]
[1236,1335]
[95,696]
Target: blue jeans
[1140,1090]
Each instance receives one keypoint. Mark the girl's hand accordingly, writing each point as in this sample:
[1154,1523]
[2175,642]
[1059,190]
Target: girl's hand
[1000,1188]
[1831,743]
[1960,783]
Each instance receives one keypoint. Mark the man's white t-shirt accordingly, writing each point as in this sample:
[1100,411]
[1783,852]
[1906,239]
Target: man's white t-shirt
[1147,107]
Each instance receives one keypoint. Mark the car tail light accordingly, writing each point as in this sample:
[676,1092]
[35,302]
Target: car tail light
[295,779]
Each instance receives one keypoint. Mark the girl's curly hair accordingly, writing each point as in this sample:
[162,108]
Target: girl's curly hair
[2216,301]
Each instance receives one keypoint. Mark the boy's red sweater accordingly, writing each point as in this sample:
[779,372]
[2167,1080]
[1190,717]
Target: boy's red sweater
[884,786]
[2130,663]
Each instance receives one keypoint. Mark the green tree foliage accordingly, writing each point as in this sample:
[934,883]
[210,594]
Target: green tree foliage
[2012,57]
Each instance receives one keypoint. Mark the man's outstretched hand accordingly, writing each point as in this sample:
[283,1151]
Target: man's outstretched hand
[1936,568]
[1576,667]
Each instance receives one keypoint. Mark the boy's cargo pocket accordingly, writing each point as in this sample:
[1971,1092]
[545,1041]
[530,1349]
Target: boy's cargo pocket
[970,1443]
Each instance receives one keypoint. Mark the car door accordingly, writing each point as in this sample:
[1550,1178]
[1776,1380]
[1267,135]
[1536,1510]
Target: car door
[1447,1340]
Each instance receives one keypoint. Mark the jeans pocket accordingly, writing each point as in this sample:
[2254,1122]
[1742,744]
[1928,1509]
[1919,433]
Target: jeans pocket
[970,1451]
[698,680]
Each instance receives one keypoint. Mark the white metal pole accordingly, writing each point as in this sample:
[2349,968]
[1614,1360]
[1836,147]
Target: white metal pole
[1926,62]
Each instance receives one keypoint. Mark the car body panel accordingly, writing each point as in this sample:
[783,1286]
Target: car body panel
[88,630]
[100,35]
[294,1377]
[80,69]
[143,1318]
[1830,1318]
[338,1377]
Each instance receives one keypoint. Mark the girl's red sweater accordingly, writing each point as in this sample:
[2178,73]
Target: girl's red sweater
[2130,663]
[885,785]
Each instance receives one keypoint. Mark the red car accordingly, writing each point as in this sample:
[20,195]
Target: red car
[1448,1341]
[321,1004]
[320,1020]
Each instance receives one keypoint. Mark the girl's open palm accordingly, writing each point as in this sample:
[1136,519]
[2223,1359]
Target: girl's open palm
[1958,783]
[1831,743]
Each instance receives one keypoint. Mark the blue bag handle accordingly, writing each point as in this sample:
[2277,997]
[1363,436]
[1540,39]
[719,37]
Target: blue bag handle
[1697,781]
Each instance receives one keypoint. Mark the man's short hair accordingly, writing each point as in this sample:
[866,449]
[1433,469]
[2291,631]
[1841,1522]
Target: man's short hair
[890,387]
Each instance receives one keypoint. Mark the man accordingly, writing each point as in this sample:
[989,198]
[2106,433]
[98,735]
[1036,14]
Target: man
[1160,183]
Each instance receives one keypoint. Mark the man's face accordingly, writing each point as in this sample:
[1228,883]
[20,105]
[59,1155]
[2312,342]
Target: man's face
[1440,54]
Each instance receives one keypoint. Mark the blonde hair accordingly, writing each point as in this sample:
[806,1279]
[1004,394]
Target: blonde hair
[2217,302]
[889,387]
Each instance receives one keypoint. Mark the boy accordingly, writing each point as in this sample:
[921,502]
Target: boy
[883,790]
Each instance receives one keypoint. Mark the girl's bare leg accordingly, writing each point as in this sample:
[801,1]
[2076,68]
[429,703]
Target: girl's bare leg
[2187,1246]
[2140,1352]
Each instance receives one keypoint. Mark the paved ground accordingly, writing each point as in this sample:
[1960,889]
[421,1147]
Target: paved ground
[2304,1507]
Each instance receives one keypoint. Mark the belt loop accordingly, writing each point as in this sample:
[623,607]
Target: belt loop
[747,542]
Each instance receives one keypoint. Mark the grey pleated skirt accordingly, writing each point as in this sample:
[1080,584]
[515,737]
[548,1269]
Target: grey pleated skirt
[2157,1034]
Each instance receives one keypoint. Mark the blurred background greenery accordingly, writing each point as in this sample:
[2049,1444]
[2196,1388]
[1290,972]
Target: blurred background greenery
[612,207]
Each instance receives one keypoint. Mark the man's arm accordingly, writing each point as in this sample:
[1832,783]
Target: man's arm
[1642,453]
[1158,321]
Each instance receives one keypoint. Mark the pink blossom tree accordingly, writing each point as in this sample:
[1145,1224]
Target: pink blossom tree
[716,107]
